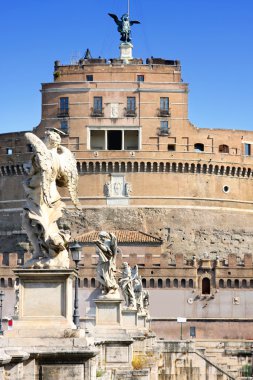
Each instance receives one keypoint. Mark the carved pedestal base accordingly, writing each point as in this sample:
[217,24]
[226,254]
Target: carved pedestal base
[44,302]
[126,51]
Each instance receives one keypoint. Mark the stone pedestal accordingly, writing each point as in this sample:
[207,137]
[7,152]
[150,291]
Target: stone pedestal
[44,301]
[126,51]
[130,318]
[108,312]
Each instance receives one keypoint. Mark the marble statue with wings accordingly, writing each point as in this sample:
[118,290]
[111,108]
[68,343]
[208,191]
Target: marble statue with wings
[124,26]
[52,166]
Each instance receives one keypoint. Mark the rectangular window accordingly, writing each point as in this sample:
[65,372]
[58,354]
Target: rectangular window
[164,104]
[171,147]
[140,78]
[97,140]
[247,149]
[64,126]
[9,151]
[131,103]
[97,106]
[131,106]
[114,139]
[64,107]
[164,127]
[64,103]
[89,78]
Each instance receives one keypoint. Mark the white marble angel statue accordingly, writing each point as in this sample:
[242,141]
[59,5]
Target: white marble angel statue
[106,267]
[141,295]
[52,165]
[126,285]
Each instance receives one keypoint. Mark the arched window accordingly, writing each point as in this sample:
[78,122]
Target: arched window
[183,283]
[85,282]
[237,284]
[10,282]
[251,283]
[93,283]
[79,282]
[2,283]
[198,147]
[155,167]
[144,283]
[229,283]
[244,283]
[142,167]
[223,148]
[221,283]
[190,283]
[186,167]
[206,286]
[152,283]
[161,167]
[148,167]
[175,283]
[168,283]
[116,167]
[160,283]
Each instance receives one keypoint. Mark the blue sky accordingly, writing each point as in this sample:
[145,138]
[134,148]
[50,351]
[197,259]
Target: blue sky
[213,39]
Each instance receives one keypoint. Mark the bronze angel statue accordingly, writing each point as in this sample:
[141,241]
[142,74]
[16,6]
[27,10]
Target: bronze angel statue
[52,166]
[124,26]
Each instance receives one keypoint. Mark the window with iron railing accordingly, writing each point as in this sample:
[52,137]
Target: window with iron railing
[164,107]
[164,127]
[131,106]
[97,109]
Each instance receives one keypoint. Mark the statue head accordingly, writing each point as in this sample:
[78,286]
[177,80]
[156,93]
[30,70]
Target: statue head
[52,139]
[103,235]
[125,17]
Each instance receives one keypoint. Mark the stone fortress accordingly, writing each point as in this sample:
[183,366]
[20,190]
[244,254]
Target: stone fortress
[178,198]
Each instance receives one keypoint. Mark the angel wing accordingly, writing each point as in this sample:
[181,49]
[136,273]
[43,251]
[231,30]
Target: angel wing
[134,272]
[115,18]
[68,175]
[43,162]
[134,22]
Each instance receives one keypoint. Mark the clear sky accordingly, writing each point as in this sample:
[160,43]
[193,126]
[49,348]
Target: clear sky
[213,39]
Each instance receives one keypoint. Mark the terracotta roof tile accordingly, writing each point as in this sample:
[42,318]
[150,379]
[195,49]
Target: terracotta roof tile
[123,236]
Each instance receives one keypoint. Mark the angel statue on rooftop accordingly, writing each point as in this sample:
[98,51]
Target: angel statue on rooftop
[124,26]
[52,165]
[106,267]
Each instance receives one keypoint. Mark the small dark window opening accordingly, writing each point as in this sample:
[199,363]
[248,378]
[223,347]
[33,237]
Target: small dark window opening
[89,78]
[160,283]
[237,284]
[167,283]
[171,147]
[9,151]
[206,286]
[223,148]
[85,282]
[175,283]
[221,283]
[144,283]
[93,283]
[199,147]
[140,78]
[114,139]
[152,283]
